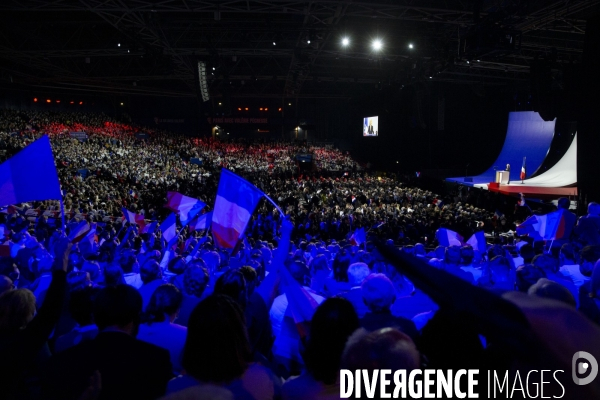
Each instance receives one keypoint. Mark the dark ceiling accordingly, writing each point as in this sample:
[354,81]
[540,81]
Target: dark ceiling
[261,49]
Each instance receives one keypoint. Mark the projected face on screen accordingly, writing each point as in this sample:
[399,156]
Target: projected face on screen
[371,126]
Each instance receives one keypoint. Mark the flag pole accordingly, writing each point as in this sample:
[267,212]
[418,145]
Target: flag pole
[62,214]
[275,204]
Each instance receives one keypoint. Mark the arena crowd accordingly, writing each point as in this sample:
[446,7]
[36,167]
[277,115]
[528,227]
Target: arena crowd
[128,315]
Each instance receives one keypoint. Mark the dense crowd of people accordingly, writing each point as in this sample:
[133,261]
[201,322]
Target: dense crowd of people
[128,315]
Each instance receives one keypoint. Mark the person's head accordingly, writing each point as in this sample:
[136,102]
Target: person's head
[6,284]
[595,282]
[452,255]
[546,262]
[587,259]
[527,275]
[420,249]
[17,308]
[378,292]
[386,348]
[357,273]
[195,280]
[300,272]
[118,307]
[552,290]
[251,277]
[527,253]
[128,262]
[216,349]
[499,274]
[113,275]
[319,264]
[333,322]
[466,255]
[567,254]
[150,271]
[594,209]
[164,304]
[563,203]
[233,284]
[177,265]
[212,259]
[440,252]
[81,305]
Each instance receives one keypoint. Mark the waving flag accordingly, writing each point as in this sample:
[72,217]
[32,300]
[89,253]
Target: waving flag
[236,201]
[150,228]
[358,237]
[30,175]
[186,207]
[447,237]
[545,227]
[477,242]
[169,228]
[80,231]
[201,222]
[133,218]
[523,170]
[301,305]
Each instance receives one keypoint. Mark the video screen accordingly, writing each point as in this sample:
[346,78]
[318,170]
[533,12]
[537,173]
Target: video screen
[371,126]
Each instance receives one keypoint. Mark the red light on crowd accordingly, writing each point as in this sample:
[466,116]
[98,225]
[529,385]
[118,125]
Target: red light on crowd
[48,101]
[35,99]
[81,102]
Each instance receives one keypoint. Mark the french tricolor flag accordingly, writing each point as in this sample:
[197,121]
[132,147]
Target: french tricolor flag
[201,222]
[236,201]
[186,207]
[133,218]
[447,237]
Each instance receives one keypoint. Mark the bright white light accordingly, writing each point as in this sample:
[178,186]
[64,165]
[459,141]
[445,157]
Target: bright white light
[345,41]
[274,44]
[431,77]
[377,44]
[118,44]
[214,68]
[410,46]
[308,41]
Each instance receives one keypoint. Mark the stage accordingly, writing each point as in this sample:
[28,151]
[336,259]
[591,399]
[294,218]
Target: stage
[529,190]
[558,181]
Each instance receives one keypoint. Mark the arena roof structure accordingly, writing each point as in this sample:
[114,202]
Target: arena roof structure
[284,48]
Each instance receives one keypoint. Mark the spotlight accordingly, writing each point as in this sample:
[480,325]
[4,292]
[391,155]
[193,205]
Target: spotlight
[260,109]
[279,109]
[48,101]
[35,99]
[307,41]
[377,44]
[266,109]
[81,102]
[345,41]
[58,101]
[71,102]
[239,108]
[220,103]
[274,44]
[468,62]
[431,77]
[121,103]
[118,44]
[410,46]
[289,104]
[214,68]
[246,109]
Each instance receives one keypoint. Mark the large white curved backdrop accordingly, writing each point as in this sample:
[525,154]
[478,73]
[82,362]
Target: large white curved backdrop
[563,173]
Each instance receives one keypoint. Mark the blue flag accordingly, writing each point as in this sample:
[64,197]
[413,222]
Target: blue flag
[30,175]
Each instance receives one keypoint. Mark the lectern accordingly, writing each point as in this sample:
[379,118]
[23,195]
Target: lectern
[502,177]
